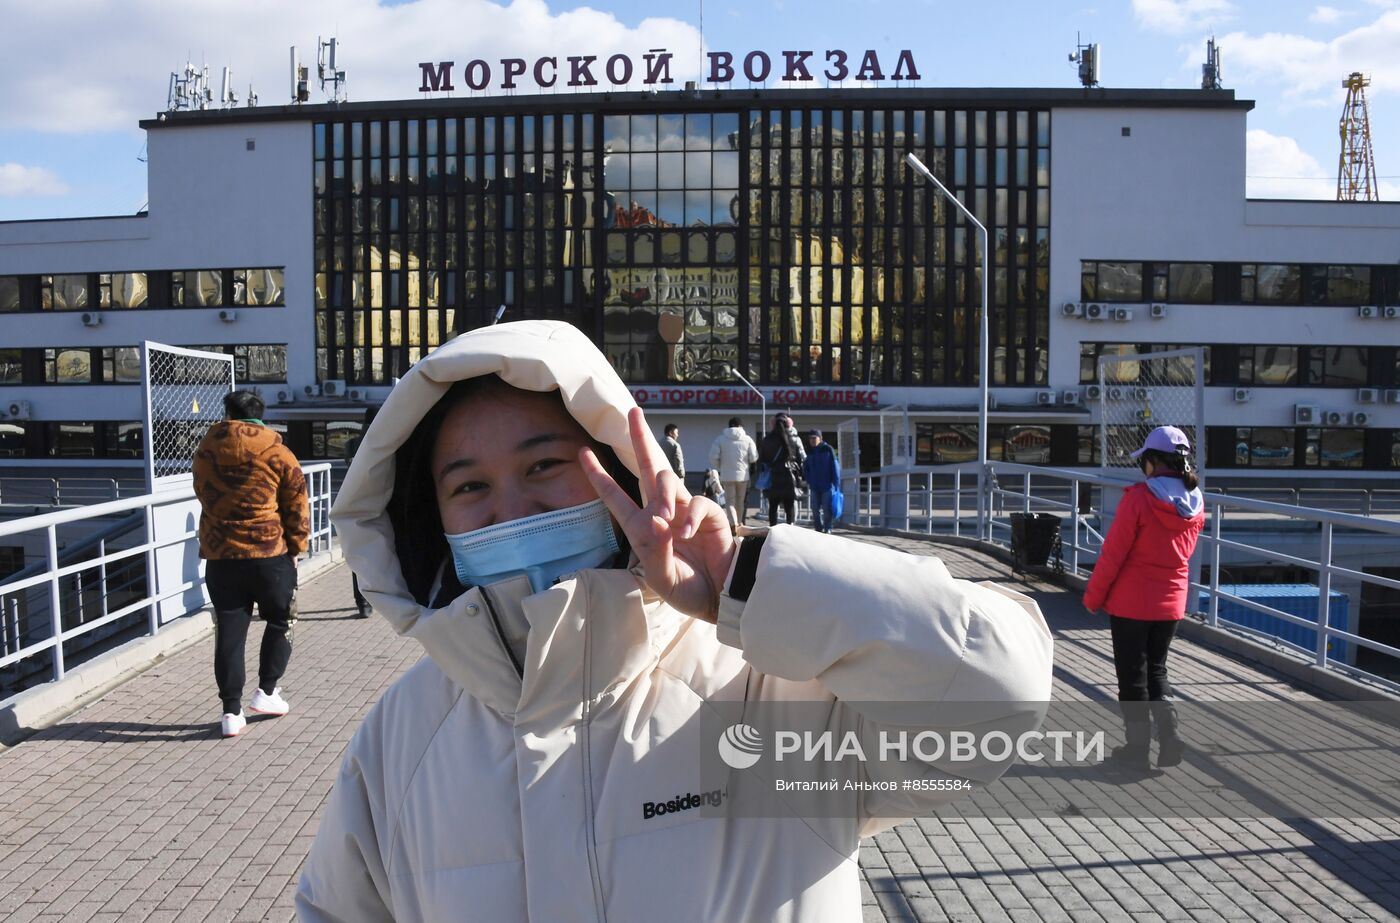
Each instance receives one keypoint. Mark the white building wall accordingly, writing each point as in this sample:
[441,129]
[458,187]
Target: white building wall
[213,204]
[1174,190]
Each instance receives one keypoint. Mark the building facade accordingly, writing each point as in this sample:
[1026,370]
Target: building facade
[700,236]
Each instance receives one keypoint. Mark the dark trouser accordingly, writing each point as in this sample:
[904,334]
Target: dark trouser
[821,510]
[361,604]
[1140,651]
[787,503]
[234,588]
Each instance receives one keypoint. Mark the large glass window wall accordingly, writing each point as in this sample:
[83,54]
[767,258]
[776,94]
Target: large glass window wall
[791,244]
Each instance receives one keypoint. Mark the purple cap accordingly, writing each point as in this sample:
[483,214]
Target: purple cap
[1167,439]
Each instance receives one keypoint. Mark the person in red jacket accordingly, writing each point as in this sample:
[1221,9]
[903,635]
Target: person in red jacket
[1141,580]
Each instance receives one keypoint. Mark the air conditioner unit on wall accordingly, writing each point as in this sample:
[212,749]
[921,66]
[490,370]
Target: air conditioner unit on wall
[1093,392]
[312,390]
[1304,414]
[285,396]
[91,319]
[1122,314]
[1072,309]
[333,387]
[1158,311]
[1142,394]
[1333,418]
[18,410]
[1391,311]
[1392,396]
[1360,418]
[1095,311]
[1070,398]
[228,315]
[1046,398]
[1367,395]
[357,394]
[1368,310]
[1116,393]
[1242,395]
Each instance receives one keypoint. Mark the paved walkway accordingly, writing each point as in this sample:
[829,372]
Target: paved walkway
[134,809]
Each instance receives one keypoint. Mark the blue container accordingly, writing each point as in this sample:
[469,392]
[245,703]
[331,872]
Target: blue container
[1298,599]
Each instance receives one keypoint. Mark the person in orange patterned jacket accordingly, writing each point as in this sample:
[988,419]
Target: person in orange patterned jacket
[255,521]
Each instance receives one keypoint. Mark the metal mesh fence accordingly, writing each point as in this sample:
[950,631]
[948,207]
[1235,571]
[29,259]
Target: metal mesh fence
[1138,392]
[185,389]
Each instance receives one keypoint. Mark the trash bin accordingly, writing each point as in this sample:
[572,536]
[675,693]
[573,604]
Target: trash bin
[1034,537]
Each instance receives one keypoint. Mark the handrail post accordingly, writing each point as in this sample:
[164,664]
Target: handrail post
[55,603]
[102,576]
[1074,526]
[957,503]
[1324,593]
[153,614]
[1213,606]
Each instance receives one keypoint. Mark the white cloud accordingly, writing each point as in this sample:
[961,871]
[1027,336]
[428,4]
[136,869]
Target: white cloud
[112,66]
[1326,14]
[18,180]
[1176,16]
[1277,168]
[1310,70]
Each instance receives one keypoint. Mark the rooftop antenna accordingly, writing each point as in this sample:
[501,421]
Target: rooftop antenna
[1087,57]
[227,98]
[300,87]
[1210,71]
[325,69]
[189,89]
[252,97]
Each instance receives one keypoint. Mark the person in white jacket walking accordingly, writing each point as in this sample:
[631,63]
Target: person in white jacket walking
[731,454]
[522,770]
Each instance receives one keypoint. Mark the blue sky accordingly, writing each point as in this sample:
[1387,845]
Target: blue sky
[78,74]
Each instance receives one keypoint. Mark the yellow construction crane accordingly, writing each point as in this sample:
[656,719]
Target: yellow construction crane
[1356,168]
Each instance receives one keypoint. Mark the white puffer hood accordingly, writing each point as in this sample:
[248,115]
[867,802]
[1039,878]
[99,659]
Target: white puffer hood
[530,355]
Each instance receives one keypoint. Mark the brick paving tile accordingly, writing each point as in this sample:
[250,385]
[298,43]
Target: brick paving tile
[134,808]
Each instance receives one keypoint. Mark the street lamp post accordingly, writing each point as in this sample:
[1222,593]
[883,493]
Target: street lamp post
[762,401]
[984,369]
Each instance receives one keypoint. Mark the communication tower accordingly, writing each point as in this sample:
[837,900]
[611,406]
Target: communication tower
[301,89]
[1210,71]
[189,89]
[1356,168]
[1087,57]
[325,69]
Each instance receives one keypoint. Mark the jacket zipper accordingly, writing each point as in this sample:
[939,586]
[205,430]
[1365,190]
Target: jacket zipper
[589,813]
[501,635]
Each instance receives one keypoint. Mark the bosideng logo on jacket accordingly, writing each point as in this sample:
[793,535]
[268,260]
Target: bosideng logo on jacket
[740,746]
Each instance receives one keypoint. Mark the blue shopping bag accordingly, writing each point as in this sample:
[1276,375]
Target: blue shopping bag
[838,503]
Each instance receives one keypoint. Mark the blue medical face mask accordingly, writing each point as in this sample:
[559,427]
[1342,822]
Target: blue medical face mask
[542,547]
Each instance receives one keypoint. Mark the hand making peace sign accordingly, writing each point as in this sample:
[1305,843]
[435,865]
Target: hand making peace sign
[683,542]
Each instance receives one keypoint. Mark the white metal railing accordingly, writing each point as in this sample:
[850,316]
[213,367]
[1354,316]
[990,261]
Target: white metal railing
[43,609]
[933,500]
[76,491]
[1059,485]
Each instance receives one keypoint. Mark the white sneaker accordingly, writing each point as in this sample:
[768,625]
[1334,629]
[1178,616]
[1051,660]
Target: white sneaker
[233,724]
[264,704]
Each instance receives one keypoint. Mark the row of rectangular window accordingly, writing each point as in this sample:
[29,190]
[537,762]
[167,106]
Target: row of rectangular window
[1232,364]
[1226,446]
[95,365]
[191,288]
[805,127]
[308,439]
[1239,283]
[935,443]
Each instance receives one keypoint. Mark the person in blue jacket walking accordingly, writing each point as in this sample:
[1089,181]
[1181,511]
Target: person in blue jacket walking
[823,474]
